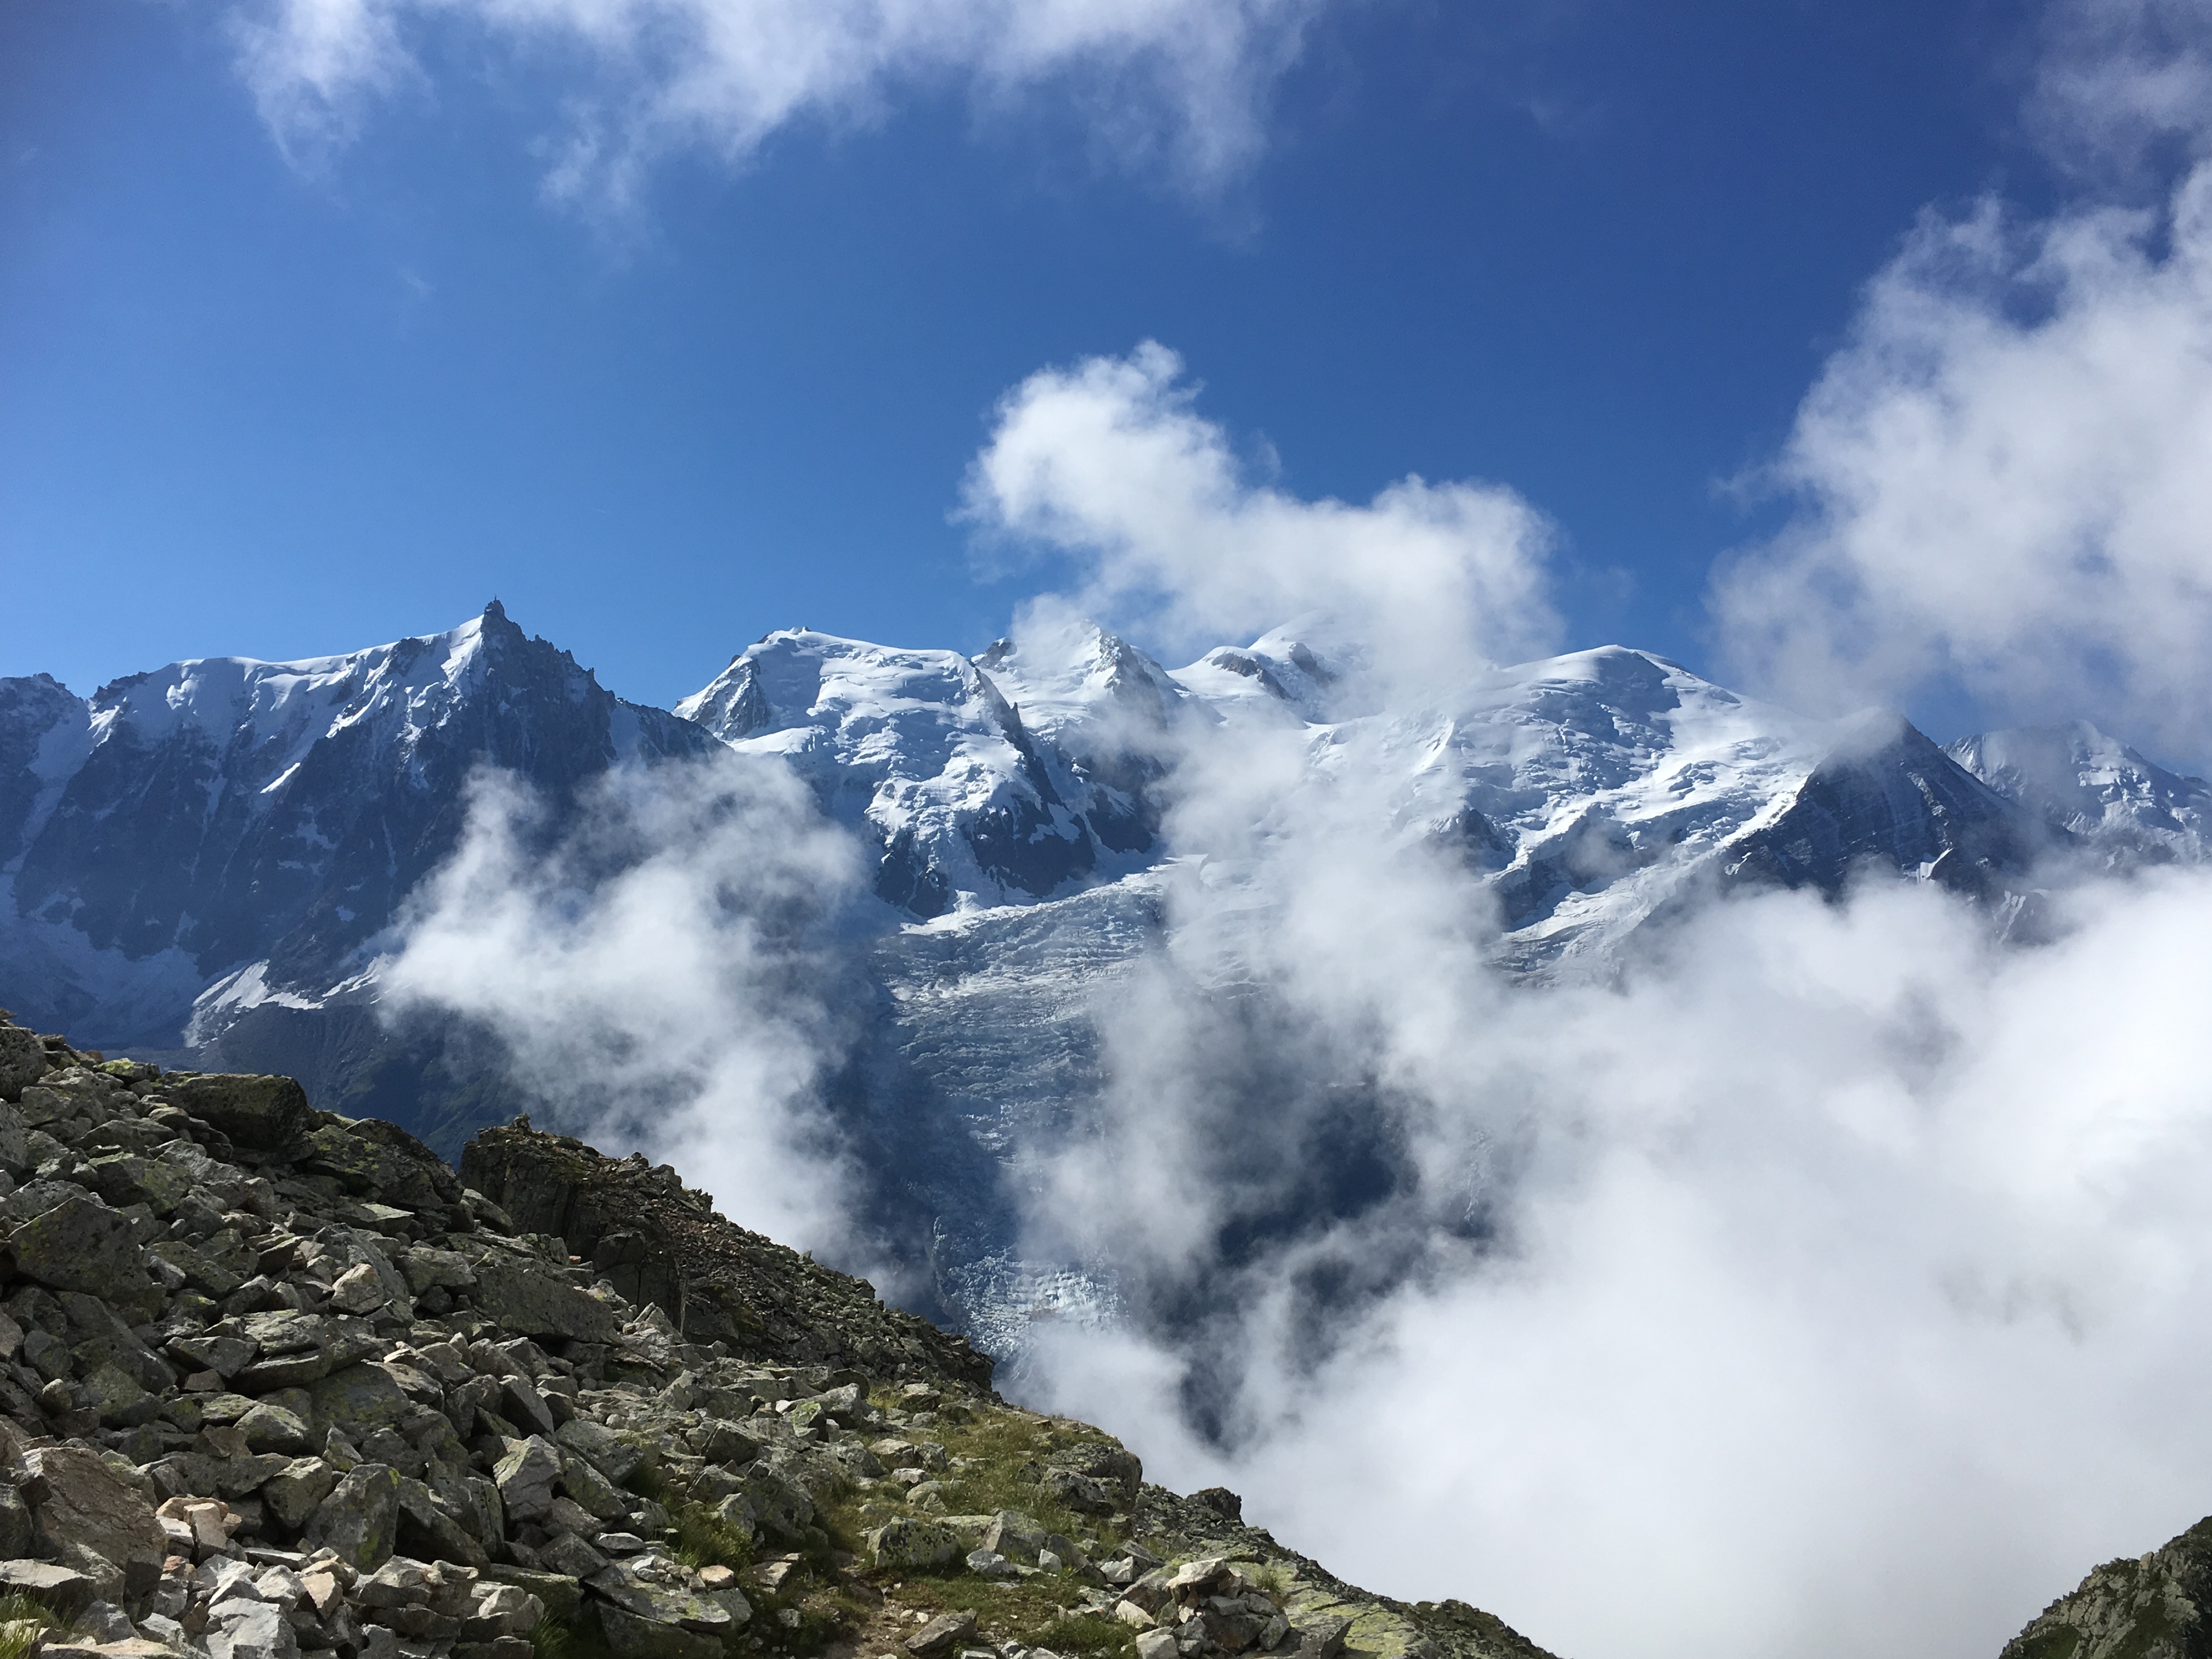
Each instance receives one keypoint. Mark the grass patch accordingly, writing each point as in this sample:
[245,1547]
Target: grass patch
[23,1623]
[549,1639]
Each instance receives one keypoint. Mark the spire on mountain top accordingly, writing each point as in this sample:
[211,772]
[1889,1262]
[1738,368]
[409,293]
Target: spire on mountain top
[495,611]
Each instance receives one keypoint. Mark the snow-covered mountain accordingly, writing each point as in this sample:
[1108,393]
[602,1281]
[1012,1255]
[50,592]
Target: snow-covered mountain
[227,825]
[2095,788]
[216,853]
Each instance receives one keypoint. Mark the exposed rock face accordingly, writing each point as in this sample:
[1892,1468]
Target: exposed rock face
[274,1384]
[2156,1607]
[658,1241]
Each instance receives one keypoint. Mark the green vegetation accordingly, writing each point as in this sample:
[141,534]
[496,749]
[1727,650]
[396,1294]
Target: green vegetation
[23,1622]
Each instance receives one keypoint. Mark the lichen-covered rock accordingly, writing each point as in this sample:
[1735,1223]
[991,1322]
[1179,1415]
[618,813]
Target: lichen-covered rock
[82,1244]
[262,1112]
[293,1493]
[533,1303]
[634,1637]
[913,1545]
[22,1060]
[359,1522]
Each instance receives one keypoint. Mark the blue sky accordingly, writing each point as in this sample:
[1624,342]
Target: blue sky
[1594,250]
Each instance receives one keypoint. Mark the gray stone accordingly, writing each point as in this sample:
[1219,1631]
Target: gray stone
[359,1400]
[592,1489]
[14,1522]
[242,1629]
[225,1356]
[267,1113]
[426,1267]
[526,1477]
[573,1557]
[1156,1645]
[47,1582]
[614,1457]
[560,1592]
[427,1524]
[88,1508]
[360,1520]
[270,1428]
[22,1060]
[633,1637]
[80,1244]
[989,1564]
[662,1604]
[941,1635]
[533,1302]
[293,1493]
[522,1405]
[913,1544]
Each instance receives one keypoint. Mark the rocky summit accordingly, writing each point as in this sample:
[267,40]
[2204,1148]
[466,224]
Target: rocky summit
[281,1384]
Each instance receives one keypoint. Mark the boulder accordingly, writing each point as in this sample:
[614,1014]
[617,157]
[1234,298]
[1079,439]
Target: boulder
[913,1544]
[562,1596]
[266,1113]
[14,1523]
[360,1519]
[358,1401]
[613,1456]
[270,1428]
[526,1477]
[633,1637]
[89,1517]
[941,1635]
[661,1603]
[243,1629]
[48,1582]
[293,1493]
[80,1244]
[22,1060]
[533,1303]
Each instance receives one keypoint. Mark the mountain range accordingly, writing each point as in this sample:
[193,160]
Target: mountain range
[209,861]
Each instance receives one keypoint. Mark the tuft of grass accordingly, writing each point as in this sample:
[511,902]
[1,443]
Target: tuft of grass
[24,1624]
[549,1639]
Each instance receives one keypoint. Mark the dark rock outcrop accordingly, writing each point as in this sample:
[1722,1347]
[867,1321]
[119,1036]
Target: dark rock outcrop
[659,1241]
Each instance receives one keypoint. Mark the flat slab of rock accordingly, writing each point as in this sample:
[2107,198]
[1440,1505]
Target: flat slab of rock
[533,1303]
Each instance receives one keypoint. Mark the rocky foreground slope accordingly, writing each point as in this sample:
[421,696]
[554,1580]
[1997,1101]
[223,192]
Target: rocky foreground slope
[278,1384]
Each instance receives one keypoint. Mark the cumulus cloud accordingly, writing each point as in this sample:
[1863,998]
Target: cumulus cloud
[2002,477]
[653,963]
[1178,85]
[1109,462]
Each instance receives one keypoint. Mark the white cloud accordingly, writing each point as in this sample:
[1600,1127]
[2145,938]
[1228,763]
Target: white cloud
[653,970]
[2005,476]
[1844,1281]
[1108,461]
[1176,86]
[2118,79]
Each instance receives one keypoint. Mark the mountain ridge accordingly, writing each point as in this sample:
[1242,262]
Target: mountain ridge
[253,830]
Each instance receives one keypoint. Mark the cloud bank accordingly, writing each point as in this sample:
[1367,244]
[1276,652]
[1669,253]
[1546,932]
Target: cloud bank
[653,962]
[1108,462]
[1176,86]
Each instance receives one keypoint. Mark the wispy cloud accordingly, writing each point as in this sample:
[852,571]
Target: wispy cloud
[651,962]
[1177,86]
[1109,461]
